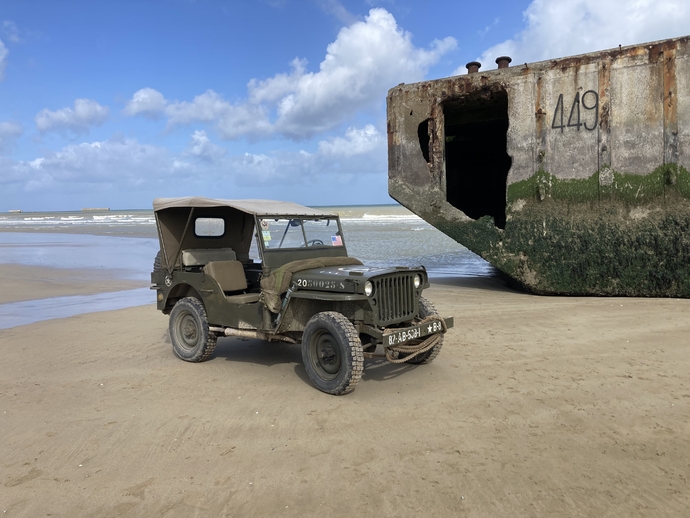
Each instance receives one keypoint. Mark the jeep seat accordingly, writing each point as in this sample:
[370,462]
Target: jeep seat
[231,278]
[202,256]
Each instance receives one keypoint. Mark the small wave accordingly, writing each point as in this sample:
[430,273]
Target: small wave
[383,220]
[20,222]
[123,217]
[48,221]
[112,217]
[388,217]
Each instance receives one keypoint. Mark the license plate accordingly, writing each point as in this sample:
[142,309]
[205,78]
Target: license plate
[412,333]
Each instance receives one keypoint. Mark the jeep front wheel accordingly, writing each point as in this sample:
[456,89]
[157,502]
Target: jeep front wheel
[191,339]
[332,353]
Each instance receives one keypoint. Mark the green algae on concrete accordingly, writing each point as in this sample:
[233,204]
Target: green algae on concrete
[607,184]
[614,251]
[628,237]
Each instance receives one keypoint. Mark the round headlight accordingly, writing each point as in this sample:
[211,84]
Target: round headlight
[417,281]
[368,288]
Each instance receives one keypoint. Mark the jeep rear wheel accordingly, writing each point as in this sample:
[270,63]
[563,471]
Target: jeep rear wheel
[426,309]
[332,353]
[157,263]
[191,339]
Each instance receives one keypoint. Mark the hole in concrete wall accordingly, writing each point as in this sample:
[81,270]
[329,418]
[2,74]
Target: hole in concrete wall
[423,135]
[477,163]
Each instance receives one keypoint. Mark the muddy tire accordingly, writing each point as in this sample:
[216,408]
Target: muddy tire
[332,353]
[191,339]
[427,309]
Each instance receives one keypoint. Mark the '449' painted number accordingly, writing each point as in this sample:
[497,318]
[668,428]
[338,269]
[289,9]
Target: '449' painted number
[574,120]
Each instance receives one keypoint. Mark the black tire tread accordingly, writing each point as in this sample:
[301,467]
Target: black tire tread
[354,369]
[206,350]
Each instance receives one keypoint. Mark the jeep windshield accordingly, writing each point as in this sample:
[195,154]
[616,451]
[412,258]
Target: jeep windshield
[295,233]
[283,239]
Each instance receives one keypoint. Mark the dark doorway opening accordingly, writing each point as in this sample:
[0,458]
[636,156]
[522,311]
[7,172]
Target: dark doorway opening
[423,135]
[477,163]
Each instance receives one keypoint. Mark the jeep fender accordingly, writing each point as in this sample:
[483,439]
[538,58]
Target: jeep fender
[176,293]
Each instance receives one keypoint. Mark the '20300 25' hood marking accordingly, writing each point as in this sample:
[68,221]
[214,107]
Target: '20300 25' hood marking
[342,278]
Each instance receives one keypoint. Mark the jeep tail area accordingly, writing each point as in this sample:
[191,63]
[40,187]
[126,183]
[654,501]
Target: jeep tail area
[303,288]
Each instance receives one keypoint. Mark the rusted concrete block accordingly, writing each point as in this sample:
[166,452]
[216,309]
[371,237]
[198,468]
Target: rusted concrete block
[569,175]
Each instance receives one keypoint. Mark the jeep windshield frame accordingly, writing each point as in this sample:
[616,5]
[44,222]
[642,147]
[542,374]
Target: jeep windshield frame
[285,238]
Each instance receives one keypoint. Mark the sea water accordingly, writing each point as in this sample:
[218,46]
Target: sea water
[122,244]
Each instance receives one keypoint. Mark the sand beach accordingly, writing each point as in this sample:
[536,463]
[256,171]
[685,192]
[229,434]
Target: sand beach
[537,406]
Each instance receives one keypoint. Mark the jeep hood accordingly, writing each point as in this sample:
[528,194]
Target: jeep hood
[349,278]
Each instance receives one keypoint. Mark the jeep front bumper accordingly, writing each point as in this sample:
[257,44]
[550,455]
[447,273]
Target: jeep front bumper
[392,337]
[399,335]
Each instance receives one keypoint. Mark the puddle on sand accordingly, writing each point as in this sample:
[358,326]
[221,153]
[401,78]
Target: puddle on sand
[30,311]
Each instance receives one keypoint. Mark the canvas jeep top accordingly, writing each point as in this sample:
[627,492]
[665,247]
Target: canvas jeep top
[299,285]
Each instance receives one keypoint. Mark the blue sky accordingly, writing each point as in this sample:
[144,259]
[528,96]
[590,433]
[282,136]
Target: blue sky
[111,104]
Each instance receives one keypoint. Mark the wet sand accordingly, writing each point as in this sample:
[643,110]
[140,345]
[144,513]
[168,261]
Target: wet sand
[23,282]
[535,407]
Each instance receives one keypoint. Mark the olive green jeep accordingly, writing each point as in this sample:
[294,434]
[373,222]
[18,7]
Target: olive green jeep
[278,271]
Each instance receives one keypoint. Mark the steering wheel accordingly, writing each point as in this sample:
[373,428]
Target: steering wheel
[314,242]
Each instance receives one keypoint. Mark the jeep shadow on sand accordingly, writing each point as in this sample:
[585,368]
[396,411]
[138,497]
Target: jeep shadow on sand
[303,288]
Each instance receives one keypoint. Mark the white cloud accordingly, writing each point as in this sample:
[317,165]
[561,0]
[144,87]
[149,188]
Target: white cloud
[205,107]
[272,89]
[201,147]
[356,142]
[232,121]
[86,113]
[107,161]
[244,120]
[121,164]
[8,132]
[10,172]
[10,31]
[337,9]
[10,129]
[361,151]
[366,59]
[148,102]
[3,59]
[483,32]
[559,28]
[262,168]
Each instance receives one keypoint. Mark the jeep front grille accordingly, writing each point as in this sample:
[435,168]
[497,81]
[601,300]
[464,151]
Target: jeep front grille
[395,298]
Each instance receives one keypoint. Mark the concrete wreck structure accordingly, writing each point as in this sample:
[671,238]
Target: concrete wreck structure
[569,175]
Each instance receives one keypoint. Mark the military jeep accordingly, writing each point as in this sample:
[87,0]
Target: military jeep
[278,271]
